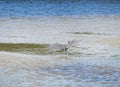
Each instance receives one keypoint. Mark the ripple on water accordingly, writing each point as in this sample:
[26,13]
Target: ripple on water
[87,73]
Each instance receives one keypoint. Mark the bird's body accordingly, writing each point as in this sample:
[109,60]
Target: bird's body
[61,47]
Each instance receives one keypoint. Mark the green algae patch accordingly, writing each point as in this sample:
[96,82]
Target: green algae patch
[25,48]
[89,33]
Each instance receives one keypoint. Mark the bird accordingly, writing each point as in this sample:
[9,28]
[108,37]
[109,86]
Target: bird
[62,47]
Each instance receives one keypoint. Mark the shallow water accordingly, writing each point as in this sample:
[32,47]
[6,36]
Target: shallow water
[26,60]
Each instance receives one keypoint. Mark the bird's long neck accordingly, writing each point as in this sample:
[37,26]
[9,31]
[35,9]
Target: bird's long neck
[68,44]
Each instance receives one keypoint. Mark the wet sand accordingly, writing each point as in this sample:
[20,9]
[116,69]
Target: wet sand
[93,61]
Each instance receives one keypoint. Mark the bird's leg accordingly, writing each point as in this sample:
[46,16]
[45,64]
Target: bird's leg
[66,51]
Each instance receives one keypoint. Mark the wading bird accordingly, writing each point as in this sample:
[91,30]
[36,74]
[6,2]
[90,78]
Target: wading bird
[62,47]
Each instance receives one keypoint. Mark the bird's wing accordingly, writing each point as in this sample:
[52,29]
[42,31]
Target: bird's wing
[58,46]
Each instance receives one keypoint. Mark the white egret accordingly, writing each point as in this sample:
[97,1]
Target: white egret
[62,47]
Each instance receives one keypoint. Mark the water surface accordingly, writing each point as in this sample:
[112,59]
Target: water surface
[21,8]
[26,60]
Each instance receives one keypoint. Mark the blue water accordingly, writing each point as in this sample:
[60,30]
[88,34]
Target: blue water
[9,8]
